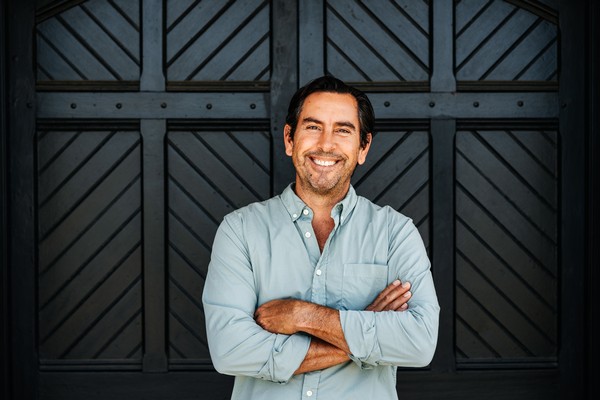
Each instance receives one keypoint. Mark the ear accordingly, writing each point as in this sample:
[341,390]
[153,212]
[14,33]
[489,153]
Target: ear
[287,139]
[362,152]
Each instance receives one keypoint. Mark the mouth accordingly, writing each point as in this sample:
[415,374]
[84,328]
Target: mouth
[324,163]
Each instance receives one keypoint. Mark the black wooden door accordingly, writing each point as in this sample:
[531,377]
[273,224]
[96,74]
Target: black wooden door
[154,118]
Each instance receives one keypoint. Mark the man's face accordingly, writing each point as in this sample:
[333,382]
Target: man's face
[326,145]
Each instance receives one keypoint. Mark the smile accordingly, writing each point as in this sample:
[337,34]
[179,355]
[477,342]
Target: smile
[324,163]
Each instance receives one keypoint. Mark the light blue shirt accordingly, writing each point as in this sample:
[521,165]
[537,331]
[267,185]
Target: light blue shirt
[268,251]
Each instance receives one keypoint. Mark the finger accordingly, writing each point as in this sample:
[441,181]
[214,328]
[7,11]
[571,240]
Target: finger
[380,299]
[400,303]
[389,295]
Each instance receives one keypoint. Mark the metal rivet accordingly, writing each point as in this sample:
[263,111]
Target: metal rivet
[29,104]
[386,104]
[520,103]
[163,105]
[475,104]
[253,106]
[73,106]
[209,106]
[119,105]
[432,104]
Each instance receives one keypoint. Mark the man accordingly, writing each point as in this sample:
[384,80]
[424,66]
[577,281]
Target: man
[307,294]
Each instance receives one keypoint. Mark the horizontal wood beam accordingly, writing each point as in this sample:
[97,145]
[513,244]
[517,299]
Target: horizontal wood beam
[169,105]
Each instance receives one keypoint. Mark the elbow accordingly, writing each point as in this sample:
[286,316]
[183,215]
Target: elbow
[425,350]
[221,362]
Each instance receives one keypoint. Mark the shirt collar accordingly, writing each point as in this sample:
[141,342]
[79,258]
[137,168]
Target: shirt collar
[296,207]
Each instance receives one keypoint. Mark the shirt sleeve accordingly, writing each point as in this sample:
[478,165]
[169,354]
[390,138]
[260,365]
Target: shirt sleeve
[401,338]
[239,346]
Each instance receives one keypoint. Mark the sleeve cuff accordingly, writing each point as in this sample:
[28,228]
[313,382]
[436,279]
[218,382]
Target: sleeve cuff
[360,332]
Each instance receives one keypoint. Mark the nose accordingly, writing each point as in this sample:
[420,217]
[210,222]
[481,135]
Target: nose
[326,140]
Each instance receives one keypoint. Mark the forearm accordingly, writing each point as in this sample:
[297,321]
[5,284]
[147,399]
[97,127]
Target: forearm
[324,323]
[321,355]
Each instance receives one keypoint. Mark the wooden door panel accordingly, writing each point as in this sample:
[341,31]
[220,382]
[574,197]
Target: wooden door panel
[211,173]
[93,41]
[89,202]
[218,41]
[377,41]
[500,41]
[507,246]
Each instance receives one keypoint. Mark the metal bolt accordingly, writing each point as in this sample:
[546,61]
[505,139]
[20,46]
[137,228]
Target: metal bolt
[475,104]
[386,104]
[432,104]
[253,106]
[73,106]
[520,103]
[119,105]
[163,105]
[209,106]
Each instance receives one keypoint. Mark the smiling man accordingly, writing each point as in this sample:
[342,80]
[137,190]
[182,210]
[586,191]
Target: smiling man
[317,292]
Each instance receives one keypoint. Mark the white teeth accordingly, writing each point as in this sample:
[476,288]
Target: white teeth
[324,163]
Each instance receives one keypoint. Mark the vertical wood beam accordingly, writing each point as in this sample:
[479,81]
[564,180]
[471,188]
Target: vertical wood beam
[593,185]
[153,166]
[21,202]
[154,270]
[442,78]
[311,39]
[153,78]
[284,82]
[572,93]
[443,132]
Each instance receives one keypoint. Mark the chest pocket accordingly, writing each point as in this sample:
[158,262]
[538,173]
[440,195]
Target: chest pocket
[361,283]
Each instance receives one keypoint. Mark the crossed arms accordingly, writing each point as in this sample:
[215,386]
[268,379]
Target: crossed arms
[328,346]
[281,338]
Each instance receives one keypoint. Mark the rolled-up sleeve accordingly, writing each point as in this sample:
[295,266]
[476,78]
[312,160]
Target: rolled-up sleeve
[239,346]
[405,338]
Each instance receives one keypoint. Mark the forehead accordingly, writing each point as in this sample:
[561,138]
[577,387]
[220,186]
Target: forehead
[330,106]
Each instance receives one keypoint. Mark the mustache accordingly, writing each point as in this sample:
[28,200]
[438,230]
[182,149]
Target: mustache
[325,154]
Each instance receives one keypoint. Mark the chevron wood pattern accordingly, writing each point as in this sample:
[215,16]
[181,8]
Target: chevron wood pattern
[97,40]
[211,173]
[396,173]
[218,40]
[498,41]
[393,35]
[89,206]
[506,244]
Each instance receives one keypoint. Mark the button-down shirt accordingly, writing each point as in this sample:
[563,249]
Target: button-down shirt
[268,251]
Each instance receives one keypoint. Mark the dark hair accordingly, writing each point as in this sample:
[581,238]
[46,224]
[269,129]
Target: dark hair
[366,116]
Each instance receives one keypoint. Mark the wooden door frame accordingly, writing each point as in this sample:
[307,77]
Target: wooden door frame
[4,321]
[593,200]
[17,128]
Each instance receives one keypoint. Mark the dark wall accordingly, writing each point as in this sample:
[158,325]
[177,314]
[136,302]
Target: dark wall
[3,248]
[593,240]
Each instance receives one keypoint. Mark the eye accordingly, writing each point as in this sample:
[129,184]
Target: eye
[312,127]
[344,131]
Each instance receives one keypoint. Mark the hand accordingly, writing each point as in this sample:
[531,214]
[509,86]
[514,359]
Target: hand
[392,298]
[280,316]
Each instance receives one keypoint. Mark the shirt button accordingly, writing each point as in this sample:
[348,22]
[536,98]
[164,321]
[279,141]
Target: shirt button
[318,272]
[295,216]
[309,393]
[305,212]
[307,234]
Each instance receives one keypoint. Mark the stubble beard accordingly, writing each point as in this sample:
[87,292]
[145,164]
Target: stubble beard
[324,183]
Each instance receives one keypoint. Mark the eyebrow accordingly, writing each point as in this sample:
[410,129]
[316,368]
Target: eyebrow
[338,123]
